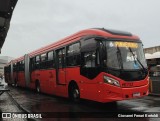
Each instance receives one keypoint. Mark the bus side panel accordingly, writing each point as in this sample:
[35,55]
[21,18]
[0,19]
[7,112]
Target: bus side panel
[52,82]
[46,80]
[21,79]
[88,88]
[54,87]
[35,76]
[33,79]
[61,90]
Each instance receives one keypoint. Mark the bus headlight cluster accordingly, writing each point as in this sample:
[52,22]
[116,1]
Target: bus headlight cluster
[111,81]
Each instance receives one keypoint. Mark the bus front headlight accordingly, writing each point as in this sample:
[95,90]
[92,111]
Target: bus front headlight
[111,81]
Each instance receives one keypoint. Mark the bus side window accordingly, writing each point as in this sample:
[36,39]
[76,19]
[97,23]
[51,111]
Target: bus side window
[50,55]
[50,61]
[90,59]
[61,58]
[43,57]
[43,61]
[32,64]
[14,67]
[73,54]
[37,62]
[21,66]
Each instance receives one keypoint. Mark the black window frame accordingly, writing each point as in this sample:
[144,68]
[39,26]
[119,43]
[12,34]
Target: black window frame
[15,67]
[52,53]
[38,59]
[73,58]
[61,57]
[32,64]
[90,58]
[21,65]
[43,58]
[50,63]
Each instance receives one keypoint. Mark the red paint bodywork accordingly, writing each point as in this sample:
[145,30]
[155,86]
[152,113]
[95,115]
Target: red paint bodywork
[95,89]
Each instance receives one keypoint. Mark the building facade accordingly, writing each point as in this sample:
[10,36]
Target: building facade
[152,50]
[153,60]
[3,61]
[152,55]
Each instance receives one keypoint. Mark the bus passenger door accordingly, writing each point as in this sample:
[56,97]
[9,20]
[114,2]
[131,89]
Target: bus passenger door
[60,67]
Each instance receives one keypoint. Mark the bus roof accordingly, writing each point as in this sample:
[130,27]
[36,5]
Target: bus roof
[72,38]
[95,31]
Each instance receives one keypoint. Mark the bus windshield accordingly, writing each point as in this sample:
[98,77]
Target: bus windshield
[125,55]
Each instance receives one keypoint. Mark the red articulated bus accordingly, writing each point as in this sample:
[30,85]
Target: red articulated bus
[95,64]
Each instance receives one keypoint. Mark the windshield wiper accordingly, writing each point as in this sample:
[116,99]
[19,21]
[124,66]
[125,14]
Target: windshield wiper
[137,60]
[119,57]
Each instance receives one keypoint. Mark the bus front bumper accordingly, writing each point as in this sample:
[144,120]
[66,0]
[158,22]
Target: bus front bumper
[113,93]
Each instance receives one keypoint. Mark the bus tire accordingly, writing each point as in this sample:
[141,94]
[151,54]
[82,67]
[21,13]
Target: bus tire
[38,90]
[74,93]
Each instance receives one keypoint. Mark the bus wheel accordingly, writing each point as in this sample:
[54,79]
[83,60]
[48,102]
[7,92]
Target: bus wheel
[75,94]
[38,86]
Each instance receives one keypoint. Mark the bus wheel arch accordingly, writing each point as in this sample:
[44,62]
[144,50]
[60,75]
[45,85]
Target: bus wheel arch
[73,91]
[37,86]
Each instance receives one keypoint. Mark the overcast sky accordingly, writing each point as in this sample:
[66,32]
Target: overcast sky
[36,23]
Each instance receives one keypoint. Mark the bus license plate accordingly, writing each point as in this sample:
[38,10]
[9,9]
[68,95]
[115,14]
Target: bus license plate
[137,94]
